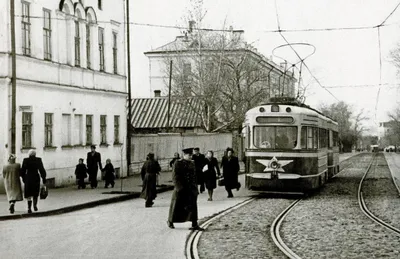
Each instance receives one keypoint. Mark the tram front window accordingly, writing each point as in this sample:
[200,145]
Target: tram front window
[274,137]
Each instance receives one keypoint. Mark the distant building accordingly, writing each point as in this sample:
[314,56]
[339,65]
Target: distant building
[71,84]
[188,48]
[385,129]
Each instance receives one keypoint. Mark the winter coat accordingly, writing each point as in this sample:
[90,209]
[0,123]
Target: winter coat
[31,167]
[81,171]
[12,182]
[230,167]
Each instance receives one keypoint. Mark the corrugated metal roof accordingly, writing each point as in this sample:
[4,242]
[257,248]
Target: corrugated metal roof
[148,113]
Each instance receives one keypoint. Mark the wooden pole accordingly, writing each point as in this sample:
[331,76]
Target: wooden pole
[169,96]
[129,123]
[13,78]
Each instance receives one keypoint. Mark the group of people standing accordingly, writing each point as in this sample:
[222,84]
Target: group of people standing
[93,159]
[198,170]
[32,172]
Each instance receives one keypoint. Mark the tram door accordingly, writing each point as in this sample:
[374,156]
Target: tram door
[331,168]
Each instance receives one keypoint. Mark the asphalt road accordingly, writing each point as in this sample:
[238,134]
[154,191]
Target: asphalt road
[120,230]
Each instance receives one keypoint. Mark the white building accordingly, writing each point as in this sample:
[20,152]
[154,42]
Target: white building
[70,82]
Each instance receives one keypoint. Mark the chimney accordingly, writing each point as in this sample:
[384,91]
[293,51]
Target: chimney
[157,93]
[191,25]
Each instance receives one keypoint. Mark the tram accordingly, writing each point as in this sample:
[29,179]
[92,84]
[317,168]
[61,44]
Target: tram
[289,147]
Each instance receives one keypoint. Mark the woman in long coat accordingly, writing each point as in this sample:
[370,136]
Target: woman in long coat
[184,197]
[31,167]
[12,183]
[230,167]
[149,172]
[211,170]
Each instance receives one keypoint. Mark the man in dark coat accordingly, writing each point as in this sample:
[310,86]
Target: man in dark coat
[31,167]
[199,162]
[184,197]
[93,162]
[230,167]
[150,169]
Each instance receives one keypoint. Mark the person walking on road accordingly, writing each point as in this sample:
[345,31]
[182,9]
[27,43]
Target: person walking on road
[199,162]
[183,206]
[109,175]
[210,171]
[81,174]
[93,161]
[230,167]
[31,171]
[12,183]
[150,169]
[172,162]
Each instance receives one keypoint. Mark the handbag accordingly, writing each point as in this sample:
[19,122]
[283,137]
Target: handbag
[221,182]
[43,193]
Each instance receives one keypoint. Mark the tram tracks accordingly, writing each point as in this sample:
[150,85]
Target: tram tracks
[362,202]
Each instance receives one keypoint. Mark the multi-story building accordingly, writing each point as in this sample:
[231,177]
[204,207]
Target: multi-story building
[193,48]
[70,82]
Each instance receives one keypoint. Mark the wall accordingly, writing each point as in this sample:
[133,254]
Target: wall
[165,145]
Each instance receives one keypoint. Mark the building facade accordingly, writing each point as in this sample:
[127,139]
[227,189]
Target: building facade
[70,82]
[189,51]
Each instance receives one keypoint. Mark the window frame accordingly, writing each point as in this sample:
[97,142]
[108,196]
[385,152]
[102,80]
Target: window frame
[89,129]
[48,129]
[26,29]
[77,44]
[310,139]
[101,50]
[103,129]
[47,47]
[274,144]
[88,47]
[27,126]
[116,129]
[115,52]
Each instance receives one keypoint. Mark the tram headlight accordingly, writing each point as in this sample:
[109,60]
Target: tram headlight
[274,165]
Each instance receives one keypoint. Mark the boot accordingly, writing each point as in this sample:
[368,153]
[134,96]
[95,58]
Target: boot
[12,208]
[35,200]
[29,206]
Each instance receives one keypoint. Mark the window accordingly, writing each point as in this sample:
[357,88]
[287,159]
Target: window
[77,45]
[335,139]
[100,4]
[187,70]
[26,130]
[274,137]
[89,63]
[323,138]
[115,52]
[101,48]
[47,34]
[78,128]
[116,129]
[66,130]
[309,137]
[26,29]
[48,129]
[103,129]
[89,129]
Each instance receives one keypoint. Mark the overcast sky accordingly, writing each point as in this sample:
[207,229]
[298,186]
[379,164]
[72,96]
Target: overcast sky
[342,58]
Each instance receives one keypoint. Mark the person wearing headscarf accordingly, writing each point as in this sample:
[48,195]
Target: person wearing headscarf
[150,169]
[183,206]
[12,183]
[230,167]
[210,172]
[31,171]
[109,175]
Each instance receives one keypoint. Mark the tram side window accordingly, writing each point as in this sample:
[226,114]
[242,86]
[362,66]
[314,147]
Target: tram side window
[323,138]
[309,138]
[335,139]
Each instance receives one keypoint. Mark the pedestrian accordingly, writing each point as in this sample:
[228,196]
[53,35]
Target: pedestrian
[150,169]
[210,172]
[93,161]
[184,196]
[81,174]
[31,171]
[172,162]
[109,175]
[12,183]
[230,167]
[199,161]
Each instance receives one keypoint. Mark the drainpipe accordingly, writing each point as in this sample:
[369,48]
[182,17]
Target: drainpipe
[13,78]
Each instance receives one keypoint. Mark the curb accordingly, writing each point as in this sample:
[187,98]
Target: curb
[86,205]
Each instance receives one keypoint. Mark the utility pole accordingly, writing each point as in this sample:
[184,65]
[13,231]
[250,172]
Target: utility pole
[13,78]
[129,123]
[169,96]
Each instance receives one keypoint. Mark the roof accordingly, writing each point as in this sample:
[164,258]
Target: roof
[150,113]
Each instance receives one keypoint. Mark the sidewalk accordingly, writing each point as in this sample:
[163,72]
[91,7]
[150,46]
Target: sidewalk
[62,200]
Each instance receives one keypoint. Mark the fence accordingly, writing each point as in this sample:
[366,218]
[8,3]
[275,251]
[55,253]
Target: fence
[164,145]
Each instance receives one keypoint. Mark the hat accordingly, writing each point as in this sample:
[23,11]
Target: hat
[150,155]
[197,149]
[11,157]
[229,149]
[188,151]
[93,146]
